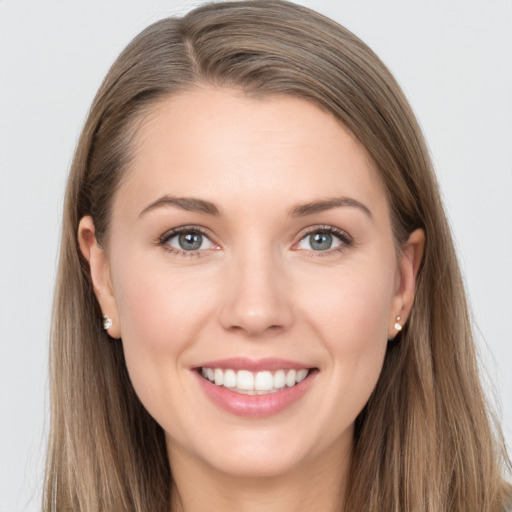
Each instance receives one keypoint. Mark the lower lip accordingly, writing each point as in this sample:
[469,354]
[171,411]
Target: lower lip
[256,406]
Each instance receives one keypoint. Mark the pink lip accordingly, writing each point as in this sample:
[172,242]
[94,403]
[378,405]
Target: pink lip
[243,363]
[255,406]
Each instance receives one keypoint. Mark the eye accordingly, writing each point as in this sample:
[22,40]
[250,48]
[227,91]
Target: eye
[324,239]
[188,240]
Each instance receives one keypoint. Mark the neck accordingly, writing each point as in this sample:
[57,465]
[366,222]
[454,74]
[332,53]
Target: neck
[316,485]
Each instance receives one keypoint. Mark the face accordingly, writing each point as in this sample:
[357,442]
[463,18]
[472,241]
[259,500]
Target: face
[252,276]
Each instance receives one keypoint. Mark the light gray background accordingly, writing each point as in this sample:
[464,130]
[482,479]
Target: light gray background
[453,59]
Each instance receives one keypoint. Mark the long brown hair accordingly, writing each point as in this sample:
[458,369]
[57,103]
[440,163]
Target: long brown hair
[424,441]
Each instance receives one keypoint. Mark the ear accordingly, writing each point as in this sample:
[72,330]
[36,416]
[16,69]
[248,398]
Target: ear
[409,265]
[100,273]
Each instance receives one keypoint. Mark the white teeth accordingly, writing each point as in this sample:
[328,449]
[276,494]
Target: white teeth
[301,375]
[219,376]
[230,379]
[290,378]
[279,379]
[263,381]
[246,382]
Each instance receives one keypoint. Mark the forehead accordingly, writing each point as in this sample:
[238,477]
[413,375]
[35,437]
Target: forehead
[229,148]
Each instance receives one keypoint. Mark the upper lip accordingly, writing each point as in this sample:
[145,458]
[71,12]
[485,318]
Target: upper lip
[254,365]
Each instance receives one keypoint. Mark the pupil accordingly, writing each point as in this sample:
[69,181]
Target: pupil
[190,241]
[320,241]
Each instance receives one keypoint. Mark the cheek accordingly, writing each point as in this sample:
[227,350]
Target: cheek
[353,311]
[352,321]
[160,307]
[162,312]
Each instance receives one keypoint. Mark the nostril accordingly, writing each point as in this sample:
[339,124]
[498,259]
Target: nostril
[255,330]
[256,305]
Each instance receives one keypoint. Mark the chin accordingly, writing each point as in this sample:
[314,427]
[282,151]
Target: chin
[255,465]
[265,452]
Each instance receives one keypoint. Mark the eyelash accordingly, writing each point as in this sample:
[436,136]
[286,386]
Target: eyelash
[168,235]
[345,239]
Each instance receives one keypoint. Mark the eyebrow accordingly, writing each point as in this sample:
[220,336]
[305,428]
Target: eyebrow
[190,204]
[327,204]
[193,204]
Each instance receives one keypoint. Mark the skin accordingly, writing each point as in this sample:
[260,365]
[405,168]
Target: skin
[258,289]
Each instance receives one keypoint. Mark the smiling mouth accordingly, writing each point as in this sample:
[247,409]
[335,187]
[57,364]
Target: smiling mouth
[246,382]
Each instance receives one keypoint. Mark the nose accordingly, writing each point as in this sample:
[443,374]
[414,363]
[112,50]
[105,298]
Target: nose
[256,298]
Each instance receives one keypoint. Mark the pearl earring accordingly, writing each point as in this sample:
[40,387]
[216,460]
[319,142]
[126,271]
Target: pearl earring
[398,325]
[107,322]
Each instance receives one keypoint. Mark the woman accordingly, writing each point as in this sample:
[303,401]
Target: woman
[259,305]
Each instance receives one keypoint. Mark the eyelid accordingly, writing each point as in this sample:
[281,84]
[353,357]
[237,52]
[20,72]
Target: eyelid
[163,240]
[345,239]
